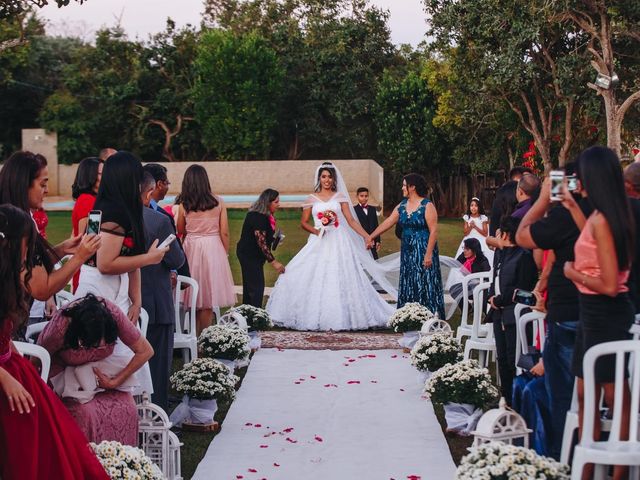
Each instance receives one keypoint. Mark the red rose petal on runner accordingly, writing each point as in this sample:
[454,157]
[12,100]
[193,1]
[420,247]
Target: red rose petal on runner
[253,470]
[312,377]
[402,389]
[394,356]
[414,477]
[291,440]
[374,381]
[319,438]
[257,425]
[264,446]
[352,382]
[248,424]
[351,360]
[276,464]
[239,477]
[297,383]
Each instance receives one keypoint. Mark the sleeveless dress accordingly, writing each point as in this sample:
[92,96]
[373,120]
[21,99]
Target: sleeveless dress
[208,260]
[45,443]
[418,284]
[325,287]
[478,221]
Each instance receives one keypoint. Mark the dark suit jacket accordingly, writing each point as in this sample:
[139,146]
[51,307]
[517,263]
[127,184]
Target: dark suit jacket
[157,294]
[369,221]
[184,269]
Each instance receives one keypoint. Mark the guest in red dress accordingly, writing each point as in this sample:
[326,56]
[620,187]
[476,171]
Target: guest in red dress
[41,219]
[38,438]
[84,191]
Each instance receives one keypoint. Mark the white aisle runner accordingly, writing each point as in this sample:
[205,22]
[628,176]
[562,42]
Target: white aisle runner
[329,415]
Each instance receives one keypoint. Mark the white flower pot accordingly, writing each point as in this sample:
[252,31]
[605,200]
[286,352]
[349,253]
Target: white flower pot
[461,417]
[256,342]
[409,339]
[202,411]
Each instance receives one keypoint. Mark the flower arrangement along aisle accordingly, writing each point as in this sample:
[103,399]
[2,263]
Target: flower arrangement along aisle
[465,389]
[408,320]
[124,461]
[226,343]
[203,383]
[497,461]
[257,319]
[433,352]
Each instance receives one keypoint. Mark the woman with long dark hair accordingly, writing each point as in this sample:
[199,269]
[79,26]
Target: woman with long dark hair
[202,219]
[38,438]
[114,272]
[603,255]
[254,246]
[84,191]
[23,183]
[328,284]
[420,278]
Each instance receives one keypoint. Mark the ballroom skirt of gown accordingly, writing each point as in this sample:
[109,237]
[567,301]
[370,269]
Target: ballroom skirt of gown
[325,287]
[45,443]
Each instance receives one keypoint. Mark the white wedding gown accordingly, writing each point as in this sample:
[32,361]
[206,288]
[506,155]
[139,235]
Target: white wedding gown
[325,286]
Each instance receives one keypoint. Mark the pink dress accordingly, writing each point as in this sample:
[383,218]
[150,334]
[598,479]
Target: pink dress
[208,261]
[111,415]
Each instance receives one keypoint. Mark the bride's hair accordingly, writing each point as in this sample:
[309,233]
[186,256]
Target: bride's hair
[326,167]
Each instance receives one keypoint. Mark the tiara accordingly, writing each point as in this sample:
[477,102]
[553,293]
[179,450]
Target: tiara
[475,198]
[2,235]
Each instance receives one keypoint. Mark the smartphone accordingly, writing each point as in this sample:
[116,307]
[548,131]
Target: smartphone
[167,241]
[572,183]
[557,179]
[524,297]
[93,222]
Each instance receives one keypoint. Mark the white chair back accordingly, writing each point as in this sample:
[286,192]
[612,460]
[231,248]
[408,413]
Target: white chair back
[619,349]
[31,350]
[144,322]
[188,326]
[522,343]
[34,330]
[482,277]
[435,326]
[478,310]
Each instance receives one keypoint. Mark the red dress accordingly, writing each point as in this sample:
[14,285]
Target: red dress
[45,443]
[82,207]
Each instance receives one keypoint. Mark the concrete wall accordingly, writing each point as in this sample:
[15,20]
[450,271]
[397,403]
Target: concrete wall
[37,140]
[251,177]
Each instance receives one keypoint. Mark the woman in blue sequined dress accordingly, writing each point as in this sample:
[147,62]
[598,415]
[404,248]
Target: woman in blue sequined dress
[420,278]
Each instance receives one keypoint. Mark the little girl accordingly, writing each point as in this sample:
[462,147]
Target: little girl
[476,225]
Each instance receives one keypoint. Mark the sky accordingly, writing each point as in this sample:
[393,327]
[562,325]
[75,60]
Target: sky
[140,18]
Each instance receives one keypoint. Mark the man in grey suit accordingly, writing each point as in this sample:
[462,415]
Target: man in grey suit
[157,295]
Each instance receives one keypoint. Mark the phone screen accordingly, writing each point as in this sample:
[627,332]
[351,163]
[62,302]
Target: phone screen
[93,222]
[524,297]
[557,178]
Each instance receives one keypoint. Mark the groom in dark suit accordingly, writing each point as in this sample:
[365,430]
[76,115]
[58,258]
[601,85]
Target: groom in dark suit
[368,217]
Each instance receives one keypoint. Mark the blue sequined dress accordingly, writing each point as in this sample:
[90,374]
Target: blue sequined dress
[418,284]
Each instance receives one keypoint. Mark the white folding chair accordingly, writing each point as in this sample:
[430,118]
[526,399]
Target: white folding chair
[31,350]
[34,330]
[614,450]
[144,322]
[62,298]
[465,329]
[522,343]
[481,340]
[571,420]
[185,338]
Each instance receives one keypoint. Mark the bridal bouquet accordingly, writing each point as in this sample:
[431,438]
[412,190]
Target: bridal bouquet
[435,351]
[462,382]
[328,217]
[225,342]
[124,461]
[257,318]
[204,379]
[497,461]
[410,318]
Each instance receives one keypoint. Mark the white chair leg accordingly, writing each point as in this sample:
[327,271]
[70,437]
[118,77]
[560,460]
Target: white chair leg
[570,425]
[185,355]
[194,352]
[601,472]
[577,465]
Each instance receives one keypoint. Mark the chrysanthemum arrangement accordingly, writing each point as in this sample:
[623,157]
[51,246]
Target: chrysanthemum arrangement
[257,318]
[462,382]
[498,461]
[125,462]
[205,379]
[435,351]
[410,317]
[224,341]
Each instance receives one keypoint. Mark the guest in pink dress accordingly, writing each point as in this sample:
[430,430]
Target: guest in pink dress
[202,219]
[83,333]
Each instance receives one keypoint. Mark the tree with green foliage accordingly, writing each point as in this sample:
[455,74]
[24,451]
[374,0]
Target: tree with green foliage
[507,50]
[236,94]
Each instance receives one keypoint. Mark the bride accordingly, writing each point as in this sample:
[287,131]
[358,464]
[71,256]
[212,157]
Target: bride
[328,284]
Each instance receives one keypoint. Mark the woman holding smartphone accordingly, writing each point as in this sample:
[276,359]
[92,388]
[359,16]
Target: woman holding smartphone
[603,255]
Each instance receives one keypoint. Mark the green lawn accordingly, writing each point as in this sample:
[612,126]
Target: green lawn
[196,444]
[289,221]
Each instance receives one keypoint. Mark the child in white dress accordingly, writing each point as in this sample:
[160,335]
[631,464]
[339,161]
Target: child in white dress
[476,225]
